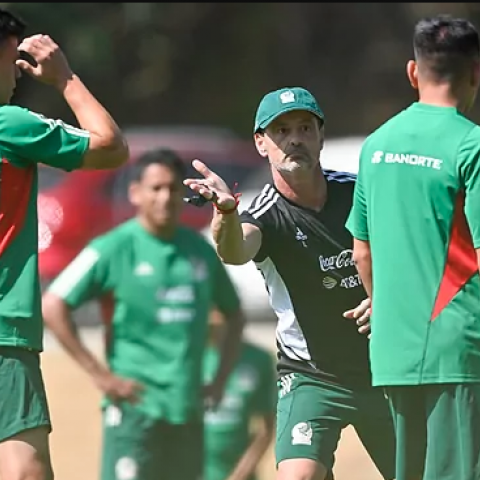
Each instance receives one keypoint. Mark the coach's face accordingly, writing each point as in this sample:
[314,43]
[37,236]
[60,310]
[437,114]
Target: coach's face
[158,196]
[293,141]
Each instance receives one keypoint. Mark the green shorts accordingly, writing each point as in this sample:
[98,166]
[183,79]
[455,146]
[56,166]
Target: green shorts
[23,403]
[312,413]
[437,431]
[138,447]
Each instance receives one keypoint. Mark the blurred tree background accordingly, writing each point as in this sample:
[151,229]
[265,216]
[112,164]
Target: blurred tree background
[210,63]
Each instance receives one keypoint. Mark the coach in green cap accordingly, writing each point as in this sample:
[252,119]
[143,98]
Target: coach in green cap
[285,100]
[294,231]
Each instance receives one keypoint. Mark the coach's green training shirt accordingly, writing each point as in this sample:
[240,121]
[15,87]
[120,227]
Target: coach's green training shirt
[26,139]
[417,201]
[161,293]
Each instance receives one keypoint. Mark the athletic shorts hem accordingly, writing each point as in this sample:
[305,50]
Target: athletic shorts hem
[304,457]
[413,381]
[9,433]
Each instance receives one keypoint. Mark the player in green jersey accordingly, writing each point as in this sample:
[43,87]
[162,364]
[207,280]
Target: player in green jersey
[232,452]
[26,139]
[160,281]
[416,224]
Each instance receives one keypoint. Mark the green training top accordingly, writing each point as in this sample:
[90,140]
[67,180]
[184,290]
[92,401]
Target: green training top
[161,293]
[26,139]
[417,201]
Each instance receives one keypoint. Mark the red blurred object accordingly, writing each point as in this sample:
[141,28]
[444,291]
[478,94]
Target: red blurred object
[75,207]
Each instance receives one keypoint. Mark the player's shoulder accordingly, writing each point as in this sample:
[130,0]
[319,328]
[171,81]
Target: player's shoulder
[265,202]
[473,134]
[469,148]
[196,242]
[11,115]
[385,128]
[116,237]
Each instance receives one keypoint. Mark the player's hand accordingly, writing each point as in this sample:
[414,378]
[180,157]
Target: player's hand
[361,315]
[209,185]
[52,66]
[212,395]
[118,389]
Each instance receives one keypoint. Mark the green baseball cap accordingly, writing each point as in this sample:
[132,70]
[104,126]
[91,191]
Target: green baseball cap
[278,102]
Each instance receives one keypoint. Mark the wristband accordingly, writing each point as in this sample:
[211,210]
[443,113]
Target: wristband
[236,196]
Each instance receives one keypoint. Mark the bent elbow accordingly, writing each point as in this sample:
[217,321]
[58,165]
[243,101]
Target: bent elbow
[116,153]
[106,153]
[361,256]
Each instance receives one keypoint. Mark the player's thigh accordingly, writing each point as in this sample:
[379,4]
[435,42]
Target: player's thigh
[129,451]
[184,450]
[26,456]
[310,417]
[408,408]
[374,426]
[24,417]
[453,438]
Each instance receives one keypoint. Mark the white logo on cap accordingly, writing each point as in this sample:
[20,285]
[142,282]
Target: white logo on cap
[287,97]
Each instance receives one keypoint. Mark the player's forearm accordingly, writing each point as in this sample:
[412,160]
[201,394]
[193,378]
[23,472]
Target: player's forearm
[249,461]
[363,262]
[228,238]
[229,348]
[93,117]
[58,319]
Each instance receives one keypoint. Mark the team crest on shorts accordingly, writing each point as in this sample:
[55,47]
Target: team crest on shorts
[126,469]
[302,434]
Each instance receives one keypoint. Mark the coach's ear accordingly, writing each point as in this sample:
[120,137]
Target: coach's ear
[412,73]
[259,139]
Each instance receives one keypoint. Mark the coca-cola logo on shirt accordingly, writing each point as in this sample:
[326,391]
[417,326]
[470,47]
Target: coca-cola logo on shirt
[336,262]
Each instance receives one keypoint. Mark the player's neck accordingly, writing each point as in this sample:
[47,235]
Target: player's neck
[166,232]
[441,96]
[307,189]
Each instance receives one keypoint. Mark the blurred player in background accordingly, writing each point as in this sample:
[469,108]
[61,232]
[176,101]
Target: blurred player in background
[159,280]
[232,451]
[26,139]
[416,224]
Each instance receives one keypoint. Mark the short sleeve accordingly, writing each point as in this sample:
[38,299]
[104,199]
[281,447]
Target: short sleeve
[469,173]
[357,221]
[30,137]
[225,294]
[259,213]
[265,399]
[86,277]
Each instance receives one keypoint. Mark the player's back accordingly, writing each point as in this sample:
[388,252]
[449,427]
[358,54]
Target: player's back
[414,171]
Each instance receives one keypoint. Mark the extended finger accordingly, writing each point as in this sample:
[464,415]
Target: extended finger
[201,168]
[349,313]
[354,313]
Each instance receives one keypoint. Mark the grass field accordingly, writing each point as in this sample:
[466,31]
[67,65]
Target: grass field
[76,437]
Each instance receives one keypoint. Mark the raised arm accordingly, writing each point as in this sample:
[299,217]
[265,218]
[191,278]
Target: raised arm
[107,145]
[235,243]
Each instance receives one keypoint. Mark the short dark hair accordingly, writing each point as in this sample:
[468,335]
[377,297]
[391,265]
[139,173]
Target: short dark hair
[446,46]
[11,25]
[161,156]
